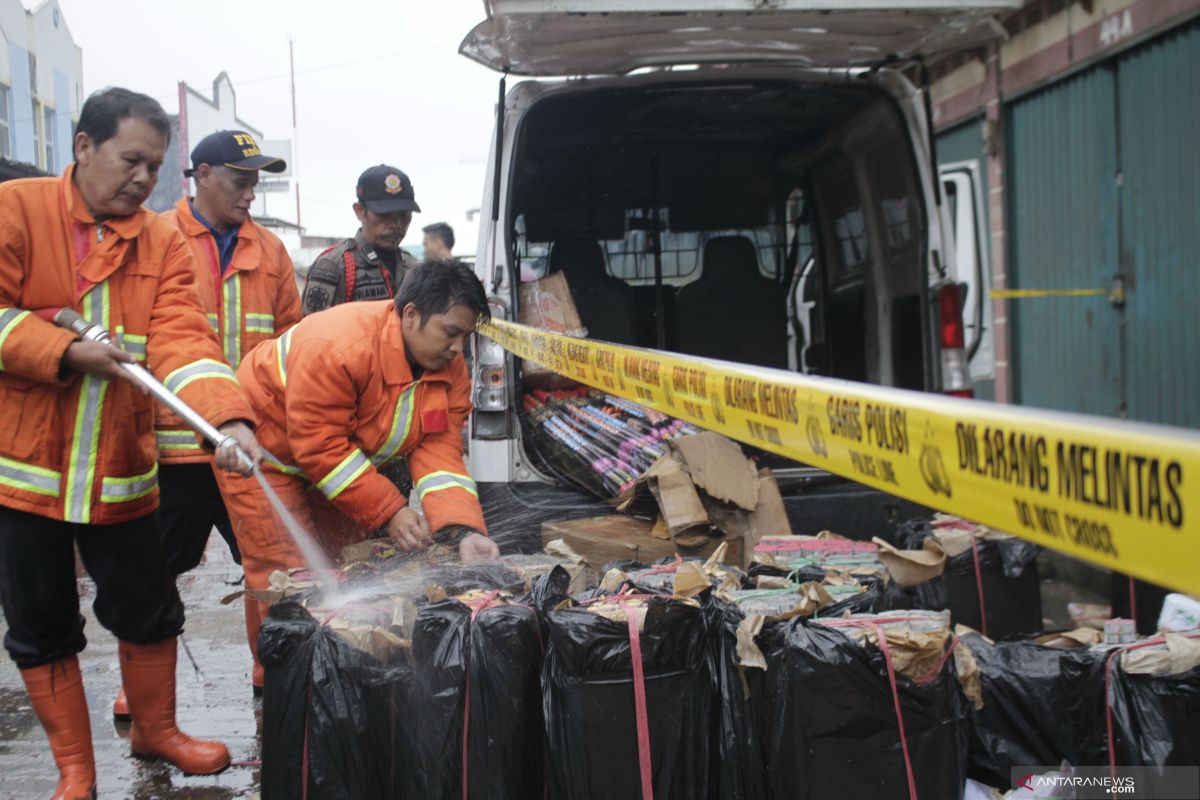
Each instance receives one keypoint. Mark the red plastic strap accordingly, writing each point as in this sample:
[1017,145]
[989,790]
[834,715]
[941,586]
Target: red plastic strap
[624,594]
[392,737]
[476,606]
[929,676]
[979,585]
[664,569]
[891,672]
[639,700]
[1133,601]
[348,261]
[466,713]
[304,755]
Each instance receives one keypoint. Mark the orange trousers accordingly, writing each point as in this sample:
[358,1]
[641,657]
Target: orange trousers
[265,543]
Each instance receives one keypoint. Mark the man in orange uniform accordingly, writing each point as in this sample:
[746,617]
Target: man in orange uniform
[340,395]
[78,463]
[248,287]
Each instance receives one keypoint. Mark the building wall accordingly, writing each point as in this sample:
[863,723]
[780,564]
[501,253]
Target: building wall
[171,184]
[1089,110]
[52,76]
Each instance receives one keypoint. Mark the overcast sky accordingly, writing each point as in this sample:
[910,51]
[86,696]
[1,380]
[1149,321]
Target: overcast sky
[376,81]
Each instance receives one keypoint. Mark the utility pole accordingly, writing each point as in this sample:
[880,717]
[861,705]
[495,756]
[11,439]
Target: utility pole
[295,129]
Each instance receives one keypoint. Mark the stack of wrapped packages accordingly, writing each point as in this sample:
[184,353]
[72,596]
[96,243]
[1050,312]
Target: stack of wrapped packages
[850,572]
[533,676]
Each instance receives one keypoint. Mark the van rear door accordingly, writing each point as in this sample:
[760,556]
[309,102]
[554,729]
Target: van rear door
[606,37]
[962,185]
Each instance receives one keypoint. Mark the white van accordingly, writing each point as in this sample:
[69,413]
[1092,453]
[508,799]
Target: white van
[748,180]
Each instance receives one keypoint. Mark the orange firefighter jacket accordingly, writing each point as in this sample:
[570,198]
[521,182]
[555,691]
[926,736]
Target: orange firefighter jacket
[337,400]
[255,300]
[75,447]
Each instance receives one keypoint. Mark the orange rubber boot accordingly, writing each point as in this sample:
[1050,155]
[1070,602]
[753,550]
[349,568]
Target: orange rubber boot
[56,691]
[148,673]
[121,706]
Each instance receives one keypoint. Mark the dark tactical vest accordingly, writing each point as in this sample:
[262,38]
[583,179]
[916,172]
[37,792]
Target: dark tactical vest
[352,270]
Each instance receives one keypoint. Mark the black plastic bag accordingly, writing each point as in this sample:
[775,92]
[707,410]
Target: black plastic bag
[493,660]
[332,714]
[879,595]
[1156,718]
[830,721]
[588,697]
[548,590]
[1025,717]
[1012,591]
[738,770]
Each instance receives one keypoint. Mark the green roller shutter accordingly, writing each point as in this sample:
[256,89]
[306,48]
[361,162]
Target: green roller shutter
[1104,180]
[1062,223]
[1158,91]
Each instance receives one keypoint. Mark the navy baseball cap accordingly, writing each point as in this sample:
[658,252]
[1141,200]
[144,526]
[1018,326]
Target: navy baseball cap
[236,149]
[385,190]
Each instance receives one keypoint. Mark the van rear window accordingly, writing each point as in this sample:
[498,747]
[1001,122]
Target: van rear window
[631,258]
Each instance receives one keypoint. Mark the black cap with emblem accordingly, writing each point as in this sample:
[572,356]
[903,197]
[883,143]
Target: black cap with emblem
[384,190]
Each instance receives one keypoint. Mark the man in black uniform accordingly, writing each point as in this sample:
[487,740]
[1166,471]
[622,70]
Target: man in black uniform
[371,265]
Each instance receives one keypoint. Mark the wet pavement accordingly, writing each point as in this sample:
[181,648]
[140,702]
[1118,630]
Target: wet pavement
[214,701]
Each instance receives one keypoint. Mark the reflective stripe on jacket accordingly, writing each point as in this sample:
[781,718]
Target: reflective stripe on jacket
[255,300]
[337,399]
[74,447]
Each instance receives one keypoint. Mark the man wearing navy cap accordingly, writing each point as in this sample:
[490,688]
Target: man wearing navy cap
[371,265]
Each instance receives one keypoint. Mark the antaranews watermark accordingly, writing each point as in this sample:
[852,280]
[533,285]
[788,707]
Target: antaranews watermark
[1106,783]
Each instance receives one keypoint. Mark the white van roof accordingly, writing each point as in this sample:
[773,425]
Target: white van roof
[604,37]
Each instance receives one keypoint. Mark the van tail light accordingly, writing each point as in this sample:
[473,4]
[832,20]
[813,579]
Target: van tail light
[490,392]
[491,376]
[956,378]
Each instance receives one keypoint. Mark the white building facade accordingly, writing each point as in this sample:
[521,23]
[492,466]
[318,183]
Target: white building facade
[41,85]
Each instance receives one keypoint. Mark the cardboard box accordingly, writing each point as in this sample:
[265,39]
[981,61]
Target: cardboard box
[547,304]
[600,540]
[704,485]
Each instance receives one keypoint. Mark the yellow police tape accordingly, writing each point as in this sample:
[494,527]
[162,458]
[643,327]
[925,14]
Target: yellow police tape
[1017,294]
[1112,492]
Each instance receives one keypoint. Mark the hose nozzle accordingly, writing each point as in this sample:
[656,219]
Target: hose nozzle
[87,331]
